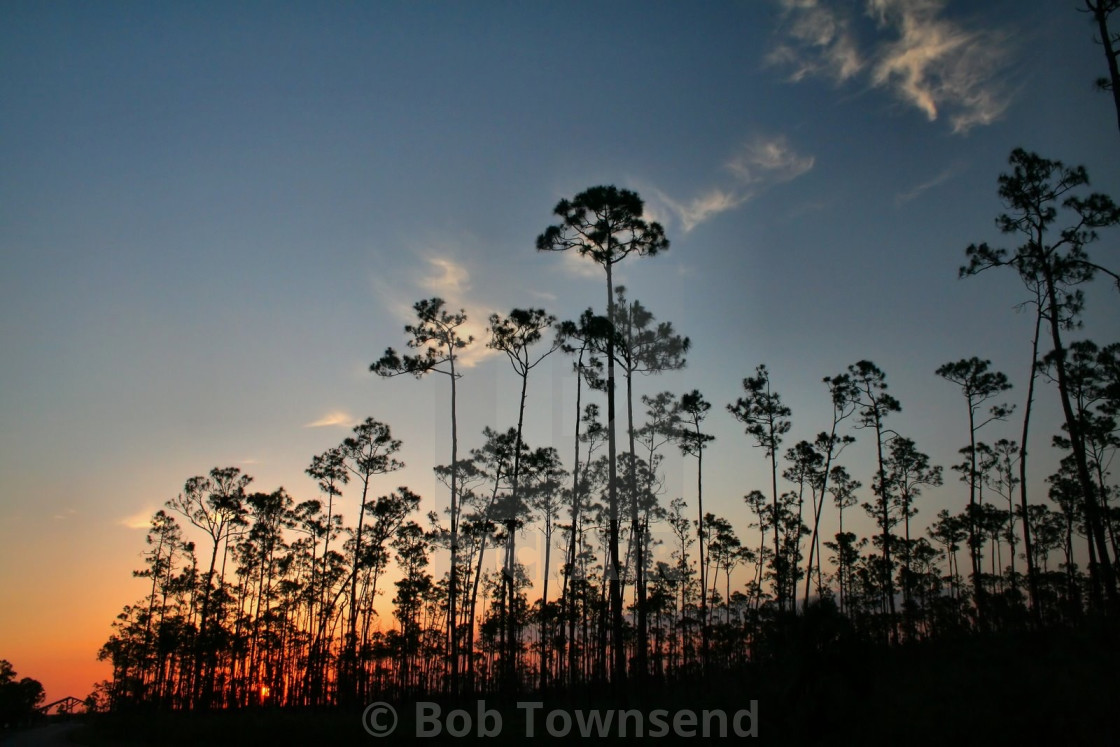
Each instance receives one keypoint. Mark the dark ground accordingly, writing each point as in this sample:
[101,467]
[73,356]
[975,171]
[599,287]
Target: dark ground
[1025,689]
[56,734]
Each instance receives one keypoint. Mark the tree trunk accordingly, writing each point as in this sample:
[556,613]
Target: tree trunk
[886,524]
[1032,569]
[636,533]
[569,582]
[348,682]
[779,581]
[452,582]
[700,549]
[618,649]
[1100,15]
[1102,574]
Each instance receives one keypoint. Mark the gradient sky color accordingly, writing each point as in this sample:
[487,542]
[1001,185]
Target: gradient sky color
[214,216]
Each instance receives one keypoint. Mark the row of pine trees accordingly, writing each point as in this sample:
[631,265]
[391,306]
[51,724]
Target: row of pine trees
[349,596]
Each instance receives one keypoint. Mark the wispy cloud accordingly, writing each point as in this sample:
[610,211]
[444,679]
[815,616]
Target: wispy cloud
[543,295]
[142,519]
[580,267]
[768,160]
[699,209]
[334,418]
[762,161]
[935,181]
[820,42]
[450,279]
[447,278]
[928,61]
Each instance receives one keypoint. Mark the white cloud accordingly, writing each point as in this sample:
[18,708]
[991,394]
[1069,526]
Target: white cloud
[928,61]
[762,161]
[935,64]
[450,280]
[699,209]
[935,181]
[768,159]
[333,418]
[578,266]
[543,295]
[142,519]
[653,213]
[826,33]
[478,320]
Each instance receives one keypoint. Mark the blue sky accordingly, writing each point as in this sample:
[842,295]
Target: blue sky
[215,217]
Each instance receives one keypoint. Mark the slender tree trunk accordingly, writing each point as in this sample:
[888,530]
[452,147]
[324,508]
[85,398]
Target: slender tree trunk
[320,656]
[471,624]
[569,580]
[544,607]
[1100,15]
[150,677]
[779,580]
[1071,577]
[618,649]
[471,620]
[907,594]
[818,510]
[842,570]
[883,497]
[812,546]
[1032,569]
[973,540]
[511,569]
[636,534]
[700,549]
[795,551]
[350,664]
[203,630]
[452,581]
[1102,575]
[759,566]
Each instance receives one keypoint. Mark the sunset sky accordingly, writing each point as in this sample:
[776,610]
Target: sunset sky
[215,216]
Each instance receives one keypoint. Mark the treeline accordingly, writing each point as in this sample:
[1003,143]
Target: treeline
[20,699]
[277,600]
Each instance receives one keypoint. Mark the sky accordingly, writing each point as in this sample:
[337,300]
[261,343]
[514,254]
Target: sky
[214,217]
